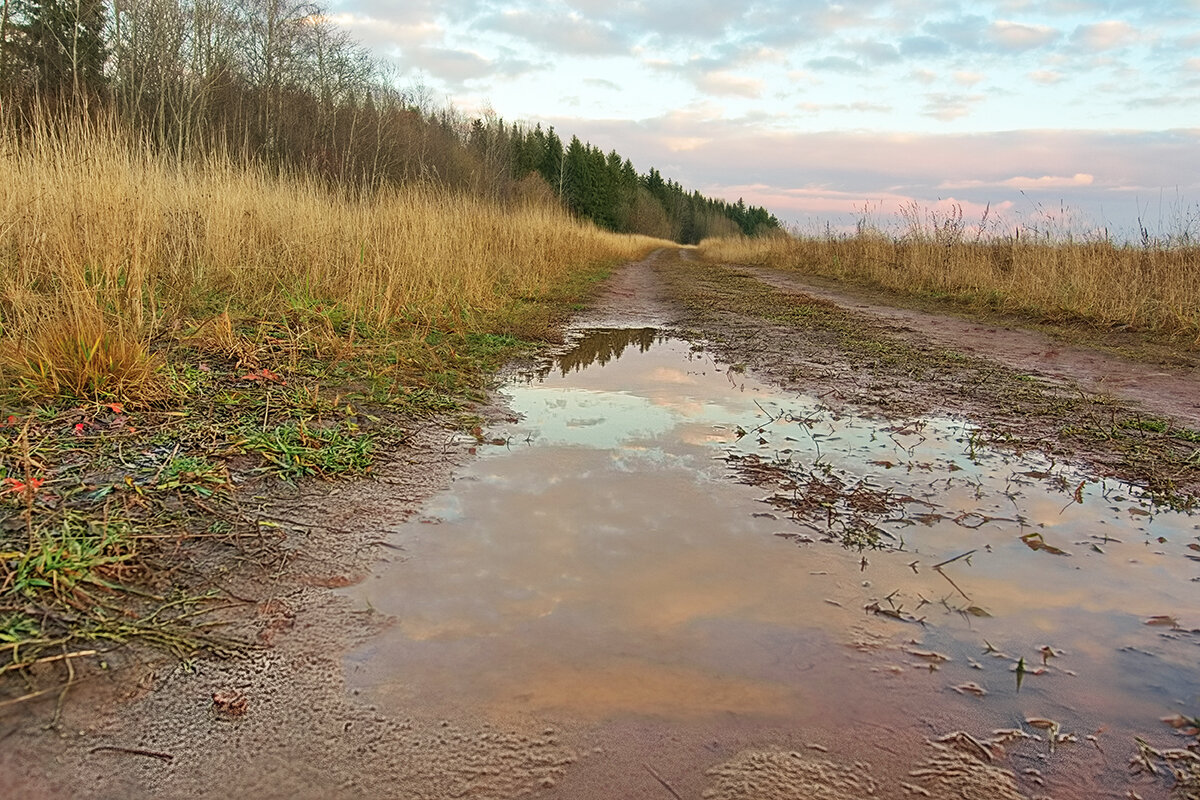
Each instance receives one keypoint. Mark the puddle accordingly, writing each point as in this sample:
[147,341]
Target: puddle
[664,539]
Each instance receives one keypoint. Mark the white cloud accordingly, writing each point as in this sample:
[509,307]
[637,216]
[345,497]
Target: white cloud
[1046,77]
[571,33]
[949,107]
[1019,36]
[726,84]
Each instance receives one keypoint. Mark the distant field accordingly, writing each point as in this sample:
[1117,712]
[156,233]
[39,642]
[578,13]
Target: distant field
[1154,288]
[106,247]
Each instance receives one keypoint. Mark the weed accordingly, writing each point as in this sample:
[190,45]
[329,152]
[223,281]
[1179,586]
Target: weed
[16,628]
[296,451]
[76,552]
[195,474]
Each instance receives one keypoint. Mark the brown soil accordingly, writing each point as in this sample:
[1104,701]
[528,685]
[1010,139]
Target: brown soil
[1172,391]
[284,724]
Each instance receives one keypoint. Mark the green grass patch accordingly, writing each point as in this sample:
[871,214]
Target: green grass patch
[296,451]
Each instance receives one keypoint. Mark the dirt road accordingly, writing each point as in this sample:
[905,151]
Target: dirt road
[282,722]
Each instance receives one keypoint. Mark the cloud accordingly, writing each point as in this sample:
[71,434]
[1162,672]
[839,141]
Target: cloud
[716,74]
[570,33]
[677,144]
[1021,182]
[1046,77]
[874,52]
[1017,36]
[834,64]
[949,107]
[923,47]
[964,33]
[859,106]
[727,85]
[967,78]
[1107,35]
[452,65]
[384,33]
[602,83]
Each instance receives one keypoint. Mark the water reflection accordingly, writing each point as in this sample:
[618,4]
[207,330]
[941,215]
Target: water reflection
[601,347]
[609,564]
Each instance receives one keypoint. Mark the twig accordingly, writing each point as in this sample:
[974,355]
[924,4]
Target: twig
[952,560]
[28,464]
[164,464]
[48,659]
[133,751]
[30,696]
[58,706]
[663,781]
[952,583]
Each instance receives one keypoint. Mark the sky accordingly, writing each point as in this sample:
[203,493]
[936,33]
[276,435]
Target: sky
[1067,116]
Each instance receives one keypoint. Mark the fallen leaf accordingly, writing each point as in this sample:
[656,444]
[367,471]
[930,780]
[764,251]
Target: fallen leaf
[1180,722]
[1164,620]
[230,701]
[971,688]
[1034,541]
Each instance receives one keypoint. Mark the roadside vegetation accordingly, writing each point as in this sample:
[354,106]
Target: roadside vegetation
[232,257]
[1151,286]
[174,334]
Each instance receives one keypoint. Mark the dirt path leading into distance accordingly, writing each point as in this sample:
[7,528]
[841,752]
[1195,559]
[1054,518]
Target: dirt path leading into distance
[1165,391]
[154,729]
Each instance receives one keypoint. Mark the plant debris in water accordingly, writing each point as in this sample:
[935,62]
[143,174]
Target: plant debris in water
[838,506]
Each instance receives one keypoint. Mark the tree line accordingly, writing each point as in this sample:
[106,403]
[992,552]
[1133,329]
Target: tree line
[277,83]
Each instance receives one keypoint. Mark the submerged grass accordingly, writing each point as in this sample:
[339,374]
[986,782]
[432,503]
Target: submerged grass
[1152,287]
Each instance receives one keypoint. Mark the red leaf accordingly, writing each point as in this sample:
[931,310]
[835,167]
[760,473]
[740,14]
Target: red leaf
[116,408]
[264,374]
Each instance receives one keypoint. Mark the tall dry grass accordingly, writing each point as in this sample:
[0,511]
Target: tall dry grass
[104,245]
[1151,288]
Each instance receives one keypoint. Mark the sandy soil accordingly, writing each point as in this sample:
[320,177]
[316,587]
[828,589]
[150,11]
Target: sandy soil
[154,730]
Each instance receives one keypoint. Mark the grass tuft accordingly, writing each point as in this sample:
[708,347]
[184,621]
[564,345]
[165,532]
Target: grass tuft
[80,356]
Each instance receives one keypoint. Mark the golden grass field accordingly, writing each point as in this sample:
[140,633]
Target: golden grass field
[1154,288]
[106,247]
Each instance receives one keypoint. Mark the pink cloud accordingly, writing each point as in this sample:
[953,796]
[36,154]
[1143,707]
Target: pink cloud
[1106,35]
[725,84]
[1046,77]
[1021,182]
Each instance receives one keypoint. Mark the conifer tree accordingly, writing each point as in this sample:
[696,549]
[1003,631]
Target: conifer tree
[57,46]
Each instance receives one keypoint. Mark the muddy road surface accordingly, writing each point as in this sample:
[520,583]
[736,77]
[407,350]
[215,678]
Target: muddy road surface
[733,540]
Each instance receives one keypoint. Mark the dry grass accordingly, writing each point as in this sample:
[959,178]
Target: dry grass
[1152,288]
[104,247]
